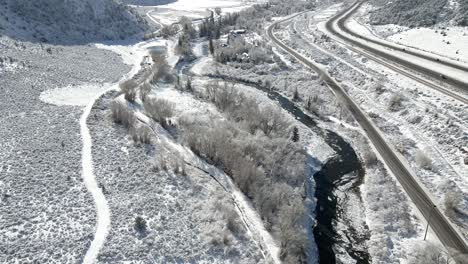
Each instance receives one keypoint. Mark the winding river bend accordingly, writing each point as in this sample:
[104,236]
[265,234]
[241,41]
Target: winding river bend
[333,175]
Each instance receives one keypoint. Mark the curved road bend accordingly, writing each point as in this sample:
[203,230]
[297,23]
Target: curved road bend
[340,20]
[446,233]
[409,50]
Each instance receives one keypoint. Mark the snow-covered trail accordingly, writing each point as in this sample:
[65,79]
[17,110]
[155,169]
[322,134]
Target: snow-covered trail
[131,55]
[102,209]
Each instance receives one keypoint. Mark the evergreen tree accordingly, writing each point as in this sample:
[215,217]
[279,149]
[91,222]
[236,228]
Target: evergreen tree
[188,85]
[295,136]
[296,96]
[211,46]
[140,224]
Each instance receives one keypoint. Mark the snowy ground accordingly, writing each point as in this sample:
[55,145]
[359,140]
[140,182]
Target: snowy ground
[46,212]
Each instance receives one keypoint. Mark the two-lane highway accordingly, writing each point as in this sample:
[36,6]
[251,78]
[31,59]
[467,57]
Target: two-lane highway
[444,230]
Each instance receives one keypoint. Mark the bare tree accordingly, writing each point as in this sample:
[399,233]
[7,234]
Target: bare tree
[159,109]
[122,115]
[423,160]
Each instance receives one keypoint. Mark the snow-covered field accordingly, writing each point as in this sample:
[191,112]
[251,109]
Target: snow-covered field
[46,212]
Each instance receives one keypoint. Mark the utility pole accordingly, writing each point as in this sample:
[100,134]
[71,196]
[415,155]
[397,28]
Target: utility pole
[428,221]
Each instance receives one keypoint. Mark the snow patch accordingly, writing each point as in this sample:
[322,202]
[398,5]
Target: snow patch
[73,95]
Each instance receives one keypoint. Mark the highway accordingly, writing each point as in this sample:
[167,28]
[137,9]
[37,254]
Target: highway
[441,226]
[427,76]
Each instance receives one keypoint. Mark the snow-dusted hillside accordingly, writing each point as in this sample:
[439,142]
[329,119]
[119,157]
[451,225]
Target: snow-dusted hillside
[147,2]
[416,13]
[69,21]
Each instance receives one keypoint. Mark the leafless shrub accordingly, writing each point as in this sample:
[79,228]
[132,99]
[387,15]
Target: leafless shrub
[395,102]
[292,236]
[128,87]
[161,69]
[223,145]
[122,115]
[370,158]
[452,201]
[415,119]
[183,169]
[429,253]
[229,214]
[155,168]
[163,163]
[159,109]
[243,109]
[168,31]
[141,134]
[145,89]
[379,89]
[422,160]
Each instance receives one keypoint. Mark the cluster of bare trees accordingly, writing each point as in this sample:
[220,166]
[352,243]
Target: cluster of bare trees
[253,146]
[159,110]
[430,253]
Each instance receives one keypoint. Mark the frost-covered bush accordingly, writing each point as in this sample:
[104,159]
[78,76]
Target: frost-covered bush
[141,134]
[161,69]
[122,115]
[253,146]
[370,158]
[451,201]
[246,111]
[395,102]
[145,89]
[128,87]
[159,109]
[423,160]
[430,253]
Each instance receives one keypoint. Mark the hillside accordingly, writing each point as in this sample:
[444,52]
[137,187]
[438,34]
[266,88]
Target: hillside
[147,2]
[70,21]
[415,13]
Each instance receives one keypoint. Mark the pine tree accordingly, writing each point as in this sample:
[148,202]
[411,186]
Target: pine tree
[296,96]
[188,85]
[211,46]
[140,224]
[295,136]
